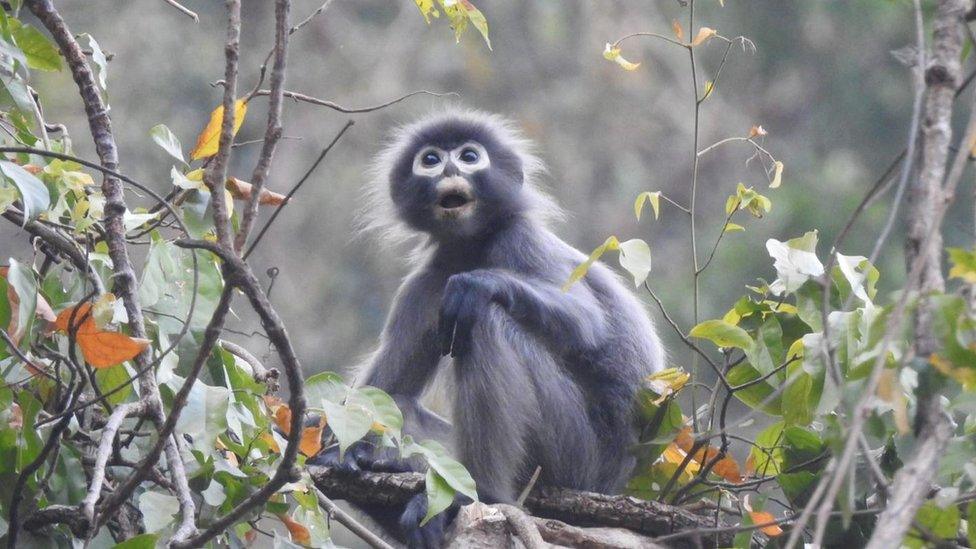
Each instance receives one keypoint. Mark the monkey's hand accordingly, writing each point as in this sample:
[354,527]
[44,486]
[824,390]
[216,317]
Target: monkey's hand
[363,455]
[468,296]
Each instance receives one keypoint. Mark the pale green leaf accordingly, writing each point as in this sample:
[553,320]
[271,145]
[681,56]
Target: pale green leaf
[795,262]
[348,423]
[734,228]
[654,198]
[33,192]
[168,141]
[143,541]
[611,243]
[777,175]
[723,334]
[98,57]
[635,257]
[158,510]
[447,467]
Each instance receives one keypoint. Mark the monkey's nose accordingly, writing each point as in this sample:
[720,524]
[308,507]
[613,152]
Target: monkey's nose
[454,194]
[450,169]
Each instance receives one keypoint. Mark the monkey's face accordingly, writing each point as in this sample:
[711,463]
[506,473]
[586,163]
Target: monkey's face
[457,181]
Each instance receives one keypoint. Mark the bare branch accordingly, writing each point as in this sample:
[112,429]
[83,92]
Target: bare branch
[301,97]
[183,9]
[273,132]
[349,522]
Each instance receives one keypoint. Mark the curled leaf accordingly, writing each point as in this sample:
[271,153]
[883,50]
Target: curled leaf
[756,131]
[580,271]
[241,190]
[777,175]
[612,53]
[298,532]
[704,35]
[644,197]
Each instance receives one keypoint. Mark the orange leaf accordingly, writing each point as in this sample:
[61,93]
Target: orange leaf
[704,34]
[241,190]
[209,140]
[678,31]
[762,517]
[311,441]
[728,469]
[299,534]
[101,349]
[282,418]
[80,317]
[32,169]
[106,349]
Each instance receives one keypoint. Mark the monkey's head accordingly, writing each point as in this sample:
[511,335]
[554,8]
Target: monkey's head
[459,176]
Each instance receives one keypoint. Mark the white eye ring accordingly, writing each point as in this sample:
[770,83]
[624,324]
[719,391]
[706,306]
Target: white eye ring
[471,167]
[429,171]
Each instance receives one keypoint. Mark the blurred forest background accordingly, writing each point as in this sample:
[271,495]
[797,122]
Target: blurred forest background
[823,83]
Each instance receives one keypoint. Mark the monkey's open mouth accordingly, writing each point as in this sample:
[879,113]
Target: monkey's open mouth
[453,200]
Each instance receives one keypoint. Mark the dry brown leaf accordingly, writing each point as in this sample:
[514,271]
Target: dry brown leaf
[756,131]
[299,534]
[209,140]
[241,190]
[704,35]
[101,349]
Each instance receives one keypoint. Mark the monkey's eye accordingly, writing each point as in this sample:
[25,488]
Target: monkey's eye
[430,159]
[469,155]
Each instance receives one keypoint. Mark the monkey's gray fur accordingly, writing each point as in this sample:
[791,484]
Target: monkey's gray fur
[542,377]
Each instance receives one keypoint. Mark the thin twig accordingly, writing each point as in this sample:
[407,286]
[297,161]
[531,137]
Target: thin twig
[294,189]
[183,9]
[349,522]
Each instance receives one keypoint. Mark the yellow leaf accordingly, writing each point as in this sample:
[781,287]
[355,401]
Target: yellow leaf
[965,376]
[777,175]
[734,228]
[611,53]
[667,382]
[679,32]
[461,12]
[889,390]
[269,439]
[709,88]
[644,197]
[209,139]
[299,533]
[762,517]
[427,9]
[704,35]
[580,271]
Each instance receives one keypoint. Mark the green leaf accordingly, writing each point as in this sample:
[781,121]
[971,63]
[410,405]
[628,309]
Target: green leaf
[797,486]
[460,13]
[447,467]
[33,192]
[635,257]
[325,386]
[856,274]
[754,395]
[655,200]
[348,423]
[971,523]
[168,141]
[384,408]
[733,227]
[440,495]
[205,416]
[111,378]
[942,522]
[41,53]
[158,510]
[144,541]
[723,334]
[963,264]
[611,243]
[800,409]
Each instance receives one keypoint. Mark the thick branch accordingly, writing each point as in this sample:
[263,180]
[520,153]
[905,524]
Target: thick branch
[913,480]
[579,508]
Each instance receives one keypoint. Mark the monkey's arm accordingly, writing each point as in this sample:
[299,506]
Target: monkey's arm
[407,358]
[571,322]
